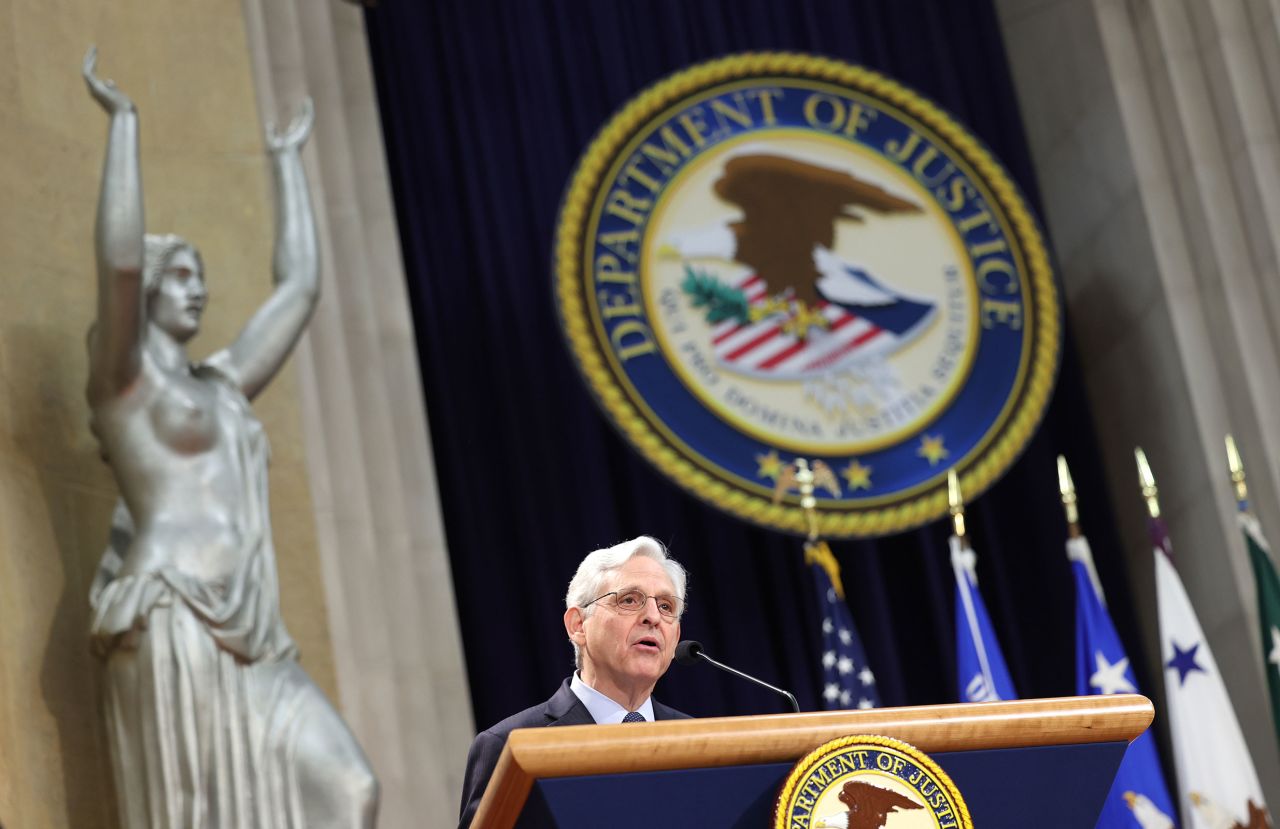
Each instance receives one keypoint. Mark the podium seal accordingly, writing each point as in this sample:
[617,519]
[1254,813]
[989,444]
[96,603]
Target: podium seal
[869,782]
[773,256]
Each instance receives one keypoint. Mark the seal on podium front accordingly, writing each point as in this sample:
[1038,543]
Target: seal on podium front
[867,782]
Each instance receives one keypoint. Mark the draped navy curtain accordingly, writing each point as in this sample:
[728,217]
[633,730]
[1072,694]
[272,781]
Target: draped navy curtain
[486,106]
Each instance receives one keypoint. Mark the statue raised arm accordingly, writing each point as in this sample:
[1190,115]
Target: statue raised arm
[212,720]
[115,343]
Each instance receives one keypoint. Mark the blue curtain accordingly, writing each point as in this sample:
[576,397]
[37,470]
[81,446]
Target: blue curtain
[486,106]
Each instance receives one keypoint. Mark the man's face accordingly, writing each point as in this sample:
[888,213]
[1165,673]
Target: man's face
[626,654]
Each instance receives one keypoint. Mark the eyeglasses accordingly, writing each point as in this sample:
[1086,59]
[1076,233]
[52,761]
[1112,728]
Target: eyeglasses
[633,601]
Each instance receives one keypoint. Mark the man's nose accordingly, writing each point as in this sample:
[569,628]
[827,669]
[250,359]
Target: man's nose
[650,612]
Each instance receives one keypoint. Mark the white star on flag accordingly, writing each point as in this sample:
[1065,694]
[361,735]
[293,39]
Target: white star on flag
[843,658]
[866,703]
[866,676]
[1109,678]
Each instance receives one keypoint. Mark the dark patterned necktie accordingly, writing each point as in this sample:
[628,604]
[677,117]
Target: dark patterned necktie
[633,716]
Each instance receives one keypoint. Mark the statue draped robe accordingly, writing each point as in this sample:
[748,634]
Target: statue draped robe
[212,722]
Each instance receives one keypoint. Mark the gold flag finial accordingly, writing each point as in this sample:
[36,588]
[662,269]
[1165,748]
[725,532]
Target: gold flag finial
[806,476]
[1067,489]
[1237,474]
[956,502]
[819,553]
[1148,481]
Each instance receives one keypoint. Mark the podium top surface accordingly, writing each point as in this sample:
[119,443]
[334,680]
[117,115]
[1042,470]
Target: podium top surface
[537,753]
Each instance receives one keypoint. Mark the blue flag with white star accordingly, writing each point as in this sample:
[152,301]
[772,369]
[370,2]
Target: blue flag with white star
[982,673]
[1139,796]
[847,680]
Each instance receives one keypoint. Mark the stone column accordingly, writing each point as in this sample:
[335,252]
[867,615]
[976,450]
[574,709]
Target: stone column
[1154,132]
[388,584]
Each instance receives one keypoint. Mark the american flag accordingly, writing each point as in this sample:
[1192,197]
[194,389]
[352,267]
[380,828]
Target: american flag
[847,679]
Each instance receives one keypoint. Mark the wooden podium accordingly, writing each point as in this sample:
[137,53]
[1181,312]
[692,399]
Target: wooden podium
[1047,763]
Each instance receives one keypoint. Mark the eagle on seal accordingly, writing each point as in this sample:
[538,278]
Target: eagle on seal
[787,231]
[869,807]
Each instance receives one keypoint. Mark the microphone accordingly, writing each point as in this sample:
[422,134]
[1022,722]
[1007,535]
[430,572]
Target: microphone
[689,652]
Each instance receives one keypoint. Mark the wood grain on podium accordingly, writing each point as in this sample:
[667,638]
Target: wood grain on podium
[536,753]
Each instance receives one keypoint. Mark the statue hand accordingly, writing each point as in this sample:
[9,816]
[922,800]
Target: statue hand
[295,135]
[105,92]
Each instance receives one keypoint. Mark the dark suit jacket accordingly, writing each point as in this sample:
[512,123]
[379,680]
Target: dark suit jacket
[564,708]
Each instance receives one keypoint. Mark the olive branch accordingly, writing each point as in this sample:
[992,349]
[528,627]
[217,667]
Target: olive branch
[722,301]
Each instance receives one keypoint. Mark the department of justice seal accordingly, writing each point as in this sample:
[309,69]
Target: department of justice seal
[869,782]
[778,256]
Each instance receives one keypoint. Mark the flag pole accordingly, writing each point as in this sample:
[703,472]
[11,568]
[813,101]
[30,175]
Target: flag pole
[1215,771]
[956,501]
[1067,489]
[808,503]
[847,679]
[1266,579]
[1077,545]
[1236,467]
[1140,793]
[1148,481]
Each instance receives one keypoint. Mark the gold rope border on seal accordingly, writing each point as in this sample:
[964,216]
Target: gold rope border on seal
[876,521]
[811,760]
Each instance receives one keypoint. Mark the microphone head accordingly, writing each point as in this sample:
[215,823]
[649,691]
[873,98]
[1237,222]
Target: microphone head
[688,651]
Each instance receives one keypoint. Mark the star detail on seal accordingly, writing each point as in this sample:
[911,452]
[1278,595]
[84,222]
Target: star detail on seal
[1184,661]
[931,449]
[858,476]
[770,465]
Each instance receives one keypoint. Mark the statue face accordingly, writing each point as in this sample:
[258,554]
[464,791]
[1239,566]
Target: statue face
[178,300]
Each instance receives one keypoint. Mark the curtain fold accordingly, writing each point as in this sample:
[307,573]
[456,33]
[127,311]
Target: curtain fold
[486,106]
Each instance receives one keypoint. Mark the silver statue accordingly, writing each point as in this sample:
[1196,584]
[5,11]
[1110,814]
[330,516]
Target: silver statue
[212,721]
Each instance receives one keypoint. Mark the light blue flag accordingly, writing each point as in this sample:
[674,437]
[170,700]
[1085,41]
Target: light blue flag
[1139,797]
[983,675]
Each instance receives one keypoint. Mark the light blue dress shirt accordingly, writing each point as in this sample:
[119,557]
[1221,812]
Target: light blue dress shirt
[602,709]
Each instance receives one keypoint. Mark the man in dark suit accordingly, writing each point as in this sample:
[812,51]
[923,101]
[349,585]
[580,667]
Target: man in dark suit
[622,614]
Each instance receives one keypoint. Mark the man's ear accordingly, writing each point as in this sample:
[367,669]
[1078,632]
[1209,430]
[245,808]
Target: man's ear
[573,622]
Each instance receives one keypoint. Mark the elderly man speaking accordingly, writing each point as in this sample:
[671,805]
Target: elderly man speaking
[622,614]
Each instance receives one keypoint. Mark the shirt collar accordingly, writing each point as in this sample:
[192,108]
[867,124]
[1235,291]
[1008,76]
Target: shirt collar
[603,709]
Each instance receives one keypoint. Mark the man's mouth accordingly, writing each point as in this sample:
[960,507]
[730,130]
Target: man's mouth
[648,643]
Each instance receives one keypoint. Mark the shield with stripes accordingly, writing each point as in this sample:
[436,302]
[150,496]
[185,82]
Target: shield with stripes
[850,337]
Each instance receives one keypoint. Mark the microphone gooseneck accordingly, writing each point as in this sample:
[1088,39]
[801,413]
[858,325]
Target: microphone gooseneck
[688,652]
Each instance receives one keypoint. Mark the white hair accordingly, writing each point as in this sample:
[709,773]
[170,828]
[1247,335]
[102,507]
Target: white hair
[589,581]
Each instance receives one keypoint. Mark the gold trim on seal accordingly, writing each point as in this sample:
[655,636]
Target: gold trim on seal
[1028,402]
[827,751]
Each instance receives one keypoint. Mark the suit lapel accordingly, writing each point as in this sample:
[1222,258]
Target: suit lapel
[564,708]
